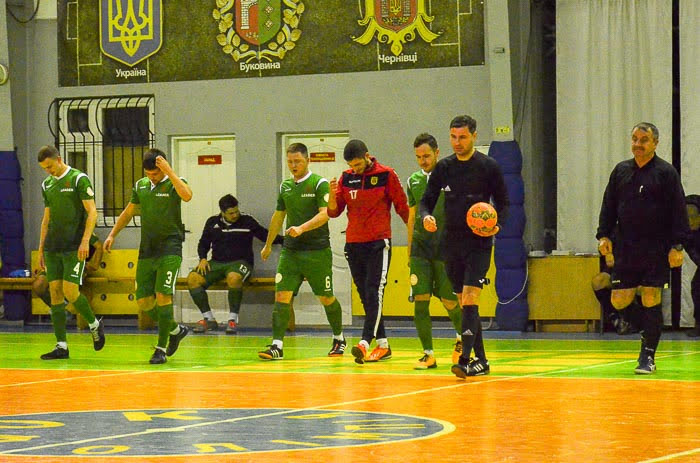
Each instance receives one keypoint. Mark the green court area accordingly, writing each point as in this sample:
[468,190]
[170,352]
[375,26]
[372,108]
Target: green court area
[306,353]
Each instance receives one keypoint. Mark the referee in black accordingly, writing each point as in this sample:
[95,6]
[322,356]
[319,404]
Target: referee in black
[645,199]
[467,177]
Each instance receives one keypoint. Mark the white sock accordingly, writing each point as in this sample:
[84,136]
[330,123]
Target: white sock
[62,345]
[365,343]
[429,352]
[176,330]
[339,337]
[383,343]
[208,315]
[233,316]
[277,343]
[94,325]
[160,348]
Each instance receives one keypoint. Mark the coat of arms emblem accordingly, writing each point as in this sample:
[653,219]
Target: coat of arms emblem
[131,30]
[395,22]
[256,30]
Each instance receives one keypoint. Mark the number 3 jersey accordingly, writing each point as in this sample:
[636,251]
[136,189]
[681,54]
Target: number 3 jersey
[162,231]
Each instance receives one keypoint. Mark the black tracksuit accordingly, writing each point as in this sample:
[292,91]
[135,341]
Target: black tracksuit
[231,241]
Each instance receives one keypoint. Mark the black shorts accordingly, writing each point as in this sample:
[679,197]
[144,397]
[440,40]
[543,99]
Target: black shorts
[468,267]
[648,269]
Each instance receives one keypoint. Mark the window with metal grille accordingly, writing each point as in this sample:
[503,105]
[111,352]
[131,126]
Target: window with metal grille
[105,137]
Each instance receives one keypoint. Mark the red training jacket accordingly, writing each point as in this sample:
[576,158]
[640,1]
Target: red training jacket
[368,197]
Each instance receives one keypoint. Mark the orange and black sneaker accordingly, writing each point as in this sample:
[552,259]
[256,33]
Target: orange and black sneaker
[379,353]
[231,327]
[205,325]
[425,362]
[338,348]
[360,353]
[457,352]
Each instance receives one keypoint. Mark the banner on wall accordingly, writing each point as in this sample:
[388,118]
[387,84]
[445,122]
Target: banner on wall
[134,41]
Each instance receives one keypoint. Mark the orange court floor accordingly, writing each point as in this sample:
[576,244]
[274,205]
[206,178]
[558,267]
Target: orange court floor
[559,398]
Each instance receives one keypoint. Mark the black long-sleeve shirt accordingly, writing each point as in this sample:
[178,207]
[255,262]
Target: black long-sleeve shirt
[692,242]
[231,241]
[465,183]
[646,203]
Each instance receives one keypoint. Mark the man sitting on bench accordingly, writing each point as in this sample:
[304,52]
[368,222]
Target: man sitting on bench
[229,235]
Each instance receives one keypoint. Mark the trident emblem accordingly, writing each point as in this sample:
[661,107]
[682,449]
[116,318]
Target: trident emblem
[130,30]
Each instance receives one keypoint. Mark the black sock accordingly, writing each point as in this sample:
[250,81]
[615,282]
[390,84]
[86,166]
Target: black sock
[479,343]
[470,328]
[652,322]
[609,312]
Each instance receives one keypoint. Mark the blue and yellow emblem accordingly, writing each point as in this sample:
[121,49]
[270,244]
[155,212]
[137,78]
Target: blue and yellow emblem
[395,22]
[131,30]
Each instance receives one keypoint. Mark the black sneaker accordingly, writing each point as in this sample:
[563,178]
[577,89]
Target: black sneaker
[338,348]
[271,353]
[158,357]
[645,365]
[478,367]
[98,335]
[174,340]
[459,370]
[56,353]
[694,333]
[622,327]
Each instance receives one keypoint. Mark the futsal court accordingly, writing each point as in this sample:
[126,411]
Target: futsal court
[564,400]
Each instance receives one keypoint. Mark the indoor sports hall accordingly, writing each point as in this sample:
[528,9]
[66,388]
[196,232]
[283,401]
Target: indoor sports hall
[176,119]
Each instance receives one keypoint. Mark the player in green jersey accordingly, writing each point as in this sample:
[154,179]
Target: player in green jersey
[306,251]
[40,285]
[64,243]
[428,275]
[159,195]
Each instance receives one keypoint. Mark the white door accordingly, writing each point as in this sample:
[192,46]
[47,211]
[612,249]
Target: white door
[326,153]
[208,163]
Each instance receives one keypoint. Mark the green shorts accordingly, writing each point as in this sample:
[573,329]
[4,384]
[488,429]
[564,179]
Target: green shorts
[316,266]
[64,266]
[430,277]
[157,275]
[219,270]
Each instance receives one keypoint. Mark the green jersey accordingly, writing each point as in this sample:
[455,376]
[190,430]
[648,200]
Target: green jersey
[162,231]
[64,197]
[301,201]
[425,244]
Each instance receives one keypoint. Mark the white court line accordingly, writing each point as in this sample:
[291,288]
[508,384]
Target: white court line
[55,380]
[320,407]
[672,456]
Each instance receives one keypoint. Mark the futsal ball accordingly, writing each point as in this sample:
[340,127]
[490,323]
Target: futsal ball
[482,219]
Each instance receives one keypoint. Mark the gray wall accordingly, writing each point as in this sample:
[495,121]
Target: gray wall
[384,109]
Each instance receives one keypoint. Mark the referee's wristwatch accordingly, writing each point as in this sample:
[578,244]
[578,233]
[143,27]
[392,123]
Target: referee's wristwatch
[677,247]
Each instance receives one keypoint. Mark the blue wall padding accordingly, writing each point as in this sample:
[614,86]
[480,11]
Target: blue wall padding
[516,188]
[510,255]
[12,224]
[10,194]
[12,233]
[513,316]
[509,282]
[508,156]
[514,225]
[10,166]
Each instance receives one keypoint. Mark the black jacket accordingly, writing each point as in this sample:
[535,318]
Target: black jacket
[231,241]
[692,243]
[647,204]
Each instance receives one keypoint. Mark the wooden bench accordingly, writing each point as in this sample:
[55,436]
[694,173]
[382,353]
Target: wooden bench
[103,291]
